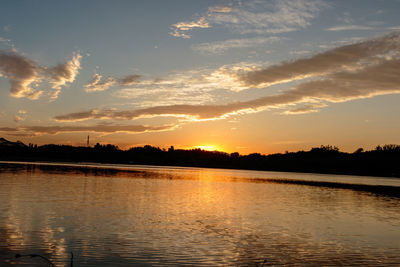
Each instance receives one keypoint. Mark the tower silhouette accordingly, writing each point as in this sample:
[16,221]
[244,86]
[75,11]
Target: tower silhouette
[87,142]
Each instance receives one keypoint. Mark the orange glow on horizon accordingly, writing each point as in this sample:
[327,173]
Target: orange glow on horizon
[209,147]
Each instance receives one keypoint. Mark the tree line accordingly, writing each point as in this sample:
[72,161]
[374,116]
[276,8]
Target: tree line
[381,161]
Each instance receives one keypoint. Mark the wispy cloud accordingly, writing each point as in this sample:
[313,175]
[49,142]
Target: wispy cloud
[196,86]
[6,44]
[345,18]
[360,70]
[270,16]
[220,9]
[255,17]
[304,109]
[222,46]
[154,96]
[25,75]
[299,52]
[64,73]
[7,129]
[129,80]
[79,116]
[99,128]
[349,28]
[180,29]
[98,83]
[5,40]
[380,79]
[20,116]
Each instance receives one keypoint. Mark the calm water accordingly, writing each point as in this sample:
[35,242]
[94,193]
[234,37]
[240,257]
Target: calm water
[124,216]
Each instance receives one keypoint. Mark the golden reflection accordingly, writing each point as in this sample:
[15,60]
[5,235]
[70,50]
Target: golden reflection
[52,243]
[172,215]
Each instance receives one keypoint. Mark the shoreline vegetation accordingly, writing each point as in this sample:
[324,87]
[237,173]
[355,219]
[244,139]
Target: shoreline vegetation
[382,161]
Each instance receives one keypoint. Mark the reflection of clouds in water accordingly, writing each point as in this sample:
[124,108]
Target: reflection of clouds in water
[53,243]
[26,228]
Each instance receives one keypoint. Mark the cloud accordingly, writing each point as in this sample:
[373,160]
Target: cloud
[304,109]
[270,17]
[24,74]
[78,116]
[6,44]
[255,17]
[179,29]
[349,28]
[129,80]
[299,52]
[222,46]
[7,129]
[185,26]
[20,116]
[379,79]
[196,86]
[64,73]
[95,80]
[163,96]
[345,18]
[220,9]
[99,84]
[4,40]
[99,128]
[356,71]
[350,56]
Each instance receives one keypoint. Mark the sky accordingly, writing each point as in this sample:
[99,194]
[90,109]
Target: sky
[237,76]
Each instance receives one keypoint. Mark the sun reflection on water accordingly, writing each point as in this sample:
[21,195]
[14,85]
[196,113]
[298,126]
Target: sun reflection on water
[190,216]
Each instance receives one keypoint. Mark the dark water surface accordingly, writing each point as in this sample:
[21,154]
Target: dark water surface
[135,215]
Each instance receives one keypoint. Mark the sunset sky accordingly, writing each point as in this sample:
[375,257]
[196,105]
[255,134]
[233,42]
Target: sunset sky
[246,76]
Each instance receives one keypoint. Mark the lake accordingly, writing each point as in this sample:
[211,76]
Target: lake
[118,215]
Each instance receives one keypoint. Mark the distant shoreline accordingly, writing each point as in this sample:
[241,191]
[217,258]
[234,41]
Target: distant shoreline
[106,165]
[382,162]
[119,166]
[138,170]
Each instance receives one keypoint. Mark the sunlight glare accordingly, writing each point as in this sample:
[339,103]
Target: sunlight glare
[209,147]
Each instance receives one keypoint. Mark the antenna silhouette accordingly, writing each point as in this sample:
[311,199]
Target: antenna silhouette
[87,142]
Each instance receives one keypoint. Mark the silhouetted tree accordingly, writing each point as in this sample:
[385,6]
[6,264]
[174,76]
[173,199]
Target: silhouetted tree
[359,150]
[382,161]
